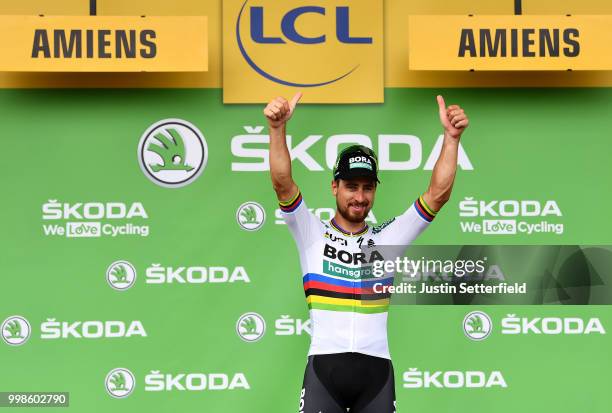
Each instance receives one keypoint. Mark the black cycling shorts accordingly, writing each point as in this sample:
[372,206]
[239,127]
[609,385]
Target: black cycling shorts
[334,383]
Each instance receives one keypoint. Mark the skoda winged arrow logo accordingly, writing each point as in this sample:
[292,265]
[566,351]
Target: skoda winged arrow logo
[250,216]
[477,325]
[15,330]
[172,153]
[250,327]
[121,275]
[120,383]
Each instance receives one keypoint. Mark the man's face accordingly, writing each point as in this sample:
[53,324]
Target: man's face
[354,198]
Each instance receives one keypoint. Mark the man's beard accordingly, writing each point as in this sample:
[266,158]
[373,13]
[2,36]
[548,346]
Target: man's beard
[355,218]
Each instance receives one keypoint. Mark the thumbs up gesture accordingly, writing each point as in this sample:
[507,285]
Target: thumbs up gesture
[453,118]
[279,110]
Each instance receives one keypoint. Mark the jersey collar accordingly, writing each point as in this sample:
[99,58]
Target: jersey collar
[338,228]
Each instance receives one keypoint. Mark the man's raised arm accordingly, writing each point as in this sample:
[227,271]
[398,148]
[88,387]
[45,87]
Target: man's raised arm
[278,112]
[454,121]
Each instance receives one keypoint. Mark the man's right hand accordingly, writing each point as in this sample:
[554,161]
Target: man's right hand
[279,110]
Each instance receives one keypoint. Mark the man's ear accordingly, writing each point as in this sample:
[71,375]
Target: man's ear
[334,187]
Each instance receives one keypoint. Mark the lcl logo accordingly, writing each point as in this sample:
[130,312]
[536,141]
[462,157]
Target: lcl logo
[290,34]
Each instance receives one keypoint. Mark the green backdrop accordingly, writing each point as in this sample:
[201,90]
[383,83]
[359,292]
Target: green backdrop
[81,146]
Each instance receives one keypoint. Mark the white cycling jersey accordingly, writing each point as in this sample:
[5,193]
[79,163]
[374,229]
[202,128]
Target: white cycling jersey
[345,313]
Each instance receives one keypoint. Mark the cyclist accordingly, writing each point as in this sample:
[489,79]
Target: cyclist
[349,365]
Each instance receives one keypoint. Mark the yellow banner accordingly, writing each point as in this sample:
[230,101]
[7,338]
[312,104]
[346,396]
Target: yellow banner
[331,50]
[522,42]
[395,61]
[103,43]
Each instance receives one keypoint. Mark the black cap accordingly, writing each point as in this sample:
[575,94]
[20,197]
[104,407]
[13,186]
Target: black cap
[356,161]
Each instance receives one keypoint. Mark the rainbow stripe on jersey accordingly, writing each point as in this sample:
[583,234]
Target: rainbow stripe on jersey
[338,228]
[292,204]
[325,292]
[424,210]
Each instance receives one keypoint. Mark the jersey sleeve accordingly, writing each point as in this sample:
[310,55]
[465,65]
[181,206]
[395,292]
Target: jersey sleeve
[404,229]
[304,226]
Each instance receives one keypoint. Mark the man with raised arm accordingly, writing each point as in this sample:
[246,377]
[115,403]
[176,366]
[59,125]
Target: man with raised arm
[349,365]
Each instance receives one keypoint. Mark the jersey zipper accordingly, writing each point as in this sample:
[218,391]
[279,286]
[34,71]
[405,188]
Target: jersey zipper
[352,346]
